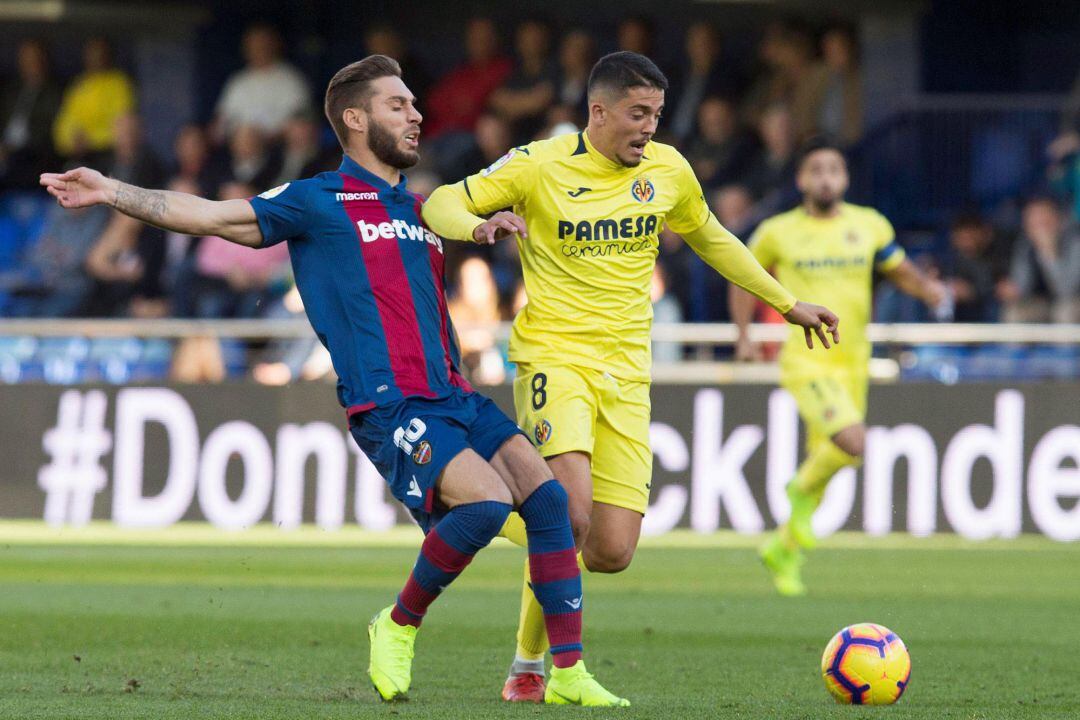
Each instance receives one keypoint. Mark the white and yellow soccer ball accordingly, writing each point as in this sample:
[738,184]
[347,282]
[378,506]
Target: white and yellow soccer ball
[866,664]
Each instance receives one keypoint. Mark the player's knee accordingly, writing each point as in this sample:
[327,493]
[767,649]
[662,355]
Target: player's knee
[856,445]
[487,488]
[609,559]
[579,525]
[852,441]
[484,518]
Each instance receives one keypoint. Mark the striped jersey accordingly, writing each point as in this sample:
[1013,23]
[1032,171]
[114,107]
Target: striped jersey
[371,275]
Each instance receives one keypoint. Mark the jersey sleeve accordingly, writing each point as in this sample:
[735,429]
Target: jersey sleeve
[690,212]
[888,254]
[726,254]
[763,245]
[502,184]
[282,212]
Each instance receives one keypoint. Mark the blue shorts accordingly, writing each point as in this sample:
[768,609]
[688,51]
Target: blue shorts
[411,442]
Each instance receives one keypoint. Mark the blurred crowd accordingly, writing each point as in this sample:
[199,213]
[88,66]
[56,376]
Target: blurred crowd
[739,125]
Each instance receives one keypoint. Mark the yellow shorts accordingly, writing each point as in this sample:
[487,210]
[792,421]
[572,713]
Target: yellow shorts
[828,403]
[571,409]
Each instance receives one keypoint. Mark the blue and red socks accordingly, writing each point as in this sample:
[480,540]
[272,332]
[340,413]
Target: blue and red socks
[553,569]
[448,548]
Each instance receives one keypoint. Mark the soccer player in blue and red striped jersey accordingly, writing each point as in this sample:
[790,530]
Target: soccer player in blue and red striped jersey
[371,277]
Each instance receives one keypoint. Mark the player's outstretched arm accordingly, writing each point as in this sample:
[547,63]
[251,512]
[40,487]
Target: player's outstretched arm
[914,282]
[727,255]
[188,214]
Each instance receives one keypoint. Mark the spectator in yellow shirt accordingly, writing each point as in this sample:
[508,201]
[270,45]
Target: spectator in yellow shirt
[92,103]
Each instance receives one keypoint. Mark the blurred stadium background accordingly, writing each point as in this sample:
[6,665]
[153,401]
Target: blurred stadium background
[150,378]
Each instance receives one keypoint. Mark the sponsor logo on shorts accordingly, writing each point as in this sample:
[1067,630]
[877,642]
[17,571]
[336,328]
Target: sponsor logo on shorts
[542,432]
[422,454]
[643,190]
[414,488]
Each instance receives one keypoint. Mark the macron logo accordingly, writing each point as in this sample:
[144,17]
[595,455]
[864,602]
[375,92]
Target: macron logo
[414,488]
[575,603]
[370,232]
[342,197]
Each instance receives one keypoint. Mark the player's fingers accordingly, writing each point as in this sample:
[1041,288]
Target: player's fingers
[487,233]
[519,223]
[832,322]
[508,225]
[809,338]
[820,330]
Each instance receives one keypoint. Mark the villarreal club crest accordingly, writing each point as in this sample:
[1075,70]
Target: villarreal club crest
[643,190]
[542,432]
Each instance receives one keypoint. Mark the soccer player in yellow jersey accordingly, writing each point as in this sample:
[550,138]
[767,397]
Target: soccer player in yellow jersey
[587,210]
[825,249]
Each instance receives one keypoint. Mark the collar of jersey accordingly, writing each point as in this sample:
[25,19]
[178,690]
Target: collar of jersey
[814,218]
[598,157]
[354,169]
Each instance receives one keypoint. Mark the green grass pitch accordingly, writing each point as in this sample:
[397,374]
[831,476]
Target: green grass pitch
[196,624]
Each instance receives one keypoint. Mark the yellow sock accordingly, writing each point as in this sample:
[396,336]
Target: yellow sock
[532,640]
[824,460]
[514,531]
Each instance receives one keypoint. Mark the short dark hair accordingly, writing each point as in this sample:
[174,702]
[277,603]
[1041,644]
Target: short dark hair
[620,71]
[351,87]
[817,144]
[1042,198]
[968,219]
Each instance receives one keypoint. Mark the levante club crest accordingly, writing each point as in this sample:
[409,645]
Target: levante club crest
[542,432]
[643,190]
[422,454]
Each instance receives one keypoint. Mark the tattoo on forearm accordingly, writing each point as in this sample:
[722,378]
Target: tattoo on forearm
[146,205]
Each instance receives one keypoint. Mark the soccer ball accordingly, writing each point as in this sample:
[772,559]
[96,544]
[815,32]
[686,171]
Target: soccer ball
[866,664]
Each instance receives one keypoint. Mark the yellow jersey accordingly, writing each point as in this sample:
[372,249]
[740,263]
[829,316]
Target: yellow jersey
[593,229]
[829,261]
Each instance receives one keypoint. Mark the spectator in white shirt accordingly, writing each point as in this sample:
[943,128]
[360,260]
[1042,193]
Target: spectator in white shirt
[266,93]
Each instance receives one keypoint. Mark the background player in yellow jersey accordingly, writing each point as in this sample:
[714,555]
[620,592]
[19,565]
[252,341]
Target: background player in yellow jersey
[587,209]
[825,250]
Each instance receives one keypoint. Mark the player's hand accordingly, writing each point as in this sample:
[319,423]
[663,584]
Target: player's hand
[747,350]
[934,292]
[79,188]
[501,225]
[815,320]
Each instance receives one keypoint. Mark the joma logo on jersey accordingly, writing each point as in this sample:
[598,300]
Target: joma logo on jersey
[343,196]
[370,232]
[627,228]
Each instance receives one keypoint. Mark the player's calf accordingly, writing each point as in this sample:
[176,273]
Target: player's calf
[553,569]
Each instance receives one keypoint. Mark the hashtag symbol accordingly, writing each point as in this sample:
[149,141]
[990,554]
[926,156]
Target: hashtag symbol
[75,446]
